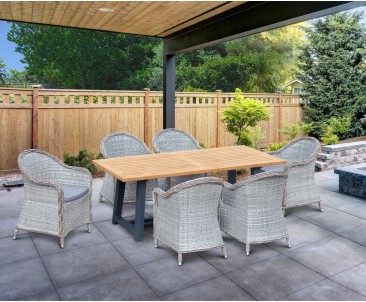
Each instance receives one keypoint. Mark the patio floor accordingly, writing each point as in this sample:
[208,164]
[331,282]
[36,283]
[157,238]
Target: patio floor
[327,260]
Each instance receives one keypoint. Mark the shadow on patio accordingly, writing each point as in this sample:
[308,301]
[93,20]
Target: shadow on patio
[327,260]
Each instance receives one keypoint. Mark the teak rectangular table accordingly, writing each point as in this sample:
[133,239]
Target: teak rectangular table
[152,166]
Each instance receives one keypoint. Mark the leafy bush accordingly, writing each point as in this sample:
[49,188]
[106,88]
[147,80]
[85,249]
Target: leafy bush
[256,136]
[290,131]
[83,159]
[242,114]
[307,127]
[276,146]
[334,129]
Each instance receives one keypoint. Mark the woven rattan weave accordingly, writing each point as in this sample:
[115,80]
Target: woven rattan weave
[300,156]
[251,210]
[172,140]
[44,210]
[186,216]
[121,144]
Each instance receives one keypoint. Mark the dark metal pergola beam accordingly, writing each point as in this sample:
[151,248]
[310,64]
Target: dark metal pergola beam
[250,18]
[169,91]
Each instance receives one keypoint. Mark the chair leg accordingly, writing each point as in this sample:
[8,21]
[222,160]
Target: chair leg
[320,206]
[16,230]
[155,242]
[89,227]
[284,212]
[224,252]
[180,258]
[247,249]
[62,242]
[288,242]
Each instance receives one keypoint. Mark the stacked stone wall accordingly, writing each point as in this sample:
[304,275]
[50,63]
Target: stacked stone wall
[340,155]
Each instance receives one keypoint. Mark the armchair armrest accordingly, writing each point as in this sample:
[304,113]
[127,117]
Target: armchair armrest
[47,192]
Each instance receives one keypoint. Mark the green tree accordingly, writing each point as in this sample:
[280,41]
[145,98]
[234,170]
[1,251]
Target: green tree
[76,58]
[2,72]
[258,63]
[334,72]
[244,113]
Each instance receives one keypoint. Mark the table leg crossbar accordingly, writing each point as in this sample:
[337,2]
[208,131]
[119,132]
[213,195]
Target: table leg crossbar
[137,226]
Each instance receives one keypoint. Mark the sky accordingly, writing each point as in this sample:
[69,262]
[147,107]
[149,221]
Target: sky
[7,49]
[12,58]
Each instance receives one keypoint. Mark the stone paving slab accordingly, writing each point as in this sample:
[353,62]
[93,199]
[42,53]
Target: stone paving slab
[326,262]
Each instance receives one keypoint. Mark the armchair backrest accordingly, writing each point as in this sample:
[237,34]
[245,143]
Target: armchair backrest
[300,149]
[122,144]
[171,140]
[39,164]
[260,192]
[193,196]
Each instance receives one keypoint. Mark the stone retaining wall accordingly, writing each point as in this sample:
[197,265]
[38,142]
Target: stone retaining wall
[341,155]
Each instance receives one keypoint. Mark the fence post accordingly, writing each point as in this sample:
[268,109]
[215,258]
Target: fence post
[147,131]
[35,116]
[280,136]
[218,118]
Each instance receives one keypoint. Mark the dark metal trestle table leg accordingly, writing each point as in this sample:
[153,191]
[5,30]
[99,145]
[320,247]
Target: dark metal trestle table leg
[118,201]
[231,176]
[137,226]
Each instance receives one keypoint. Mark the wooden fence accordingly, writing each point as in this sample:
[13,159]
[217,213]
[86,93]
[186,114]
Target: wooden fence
[59,121]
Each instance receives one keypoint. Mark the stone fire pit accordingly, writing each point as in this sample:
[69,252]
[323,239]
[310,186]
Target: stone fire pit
[352,180]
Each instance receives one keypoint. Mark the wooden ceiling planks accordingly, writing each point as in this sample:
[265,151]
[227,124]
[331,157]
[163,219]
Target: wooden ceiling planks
[150,18]
[120,18]
[60,10]
[164,15]
[83,7]
[37,10]
[107,18]
[49,10]
[16,10]
[5,10]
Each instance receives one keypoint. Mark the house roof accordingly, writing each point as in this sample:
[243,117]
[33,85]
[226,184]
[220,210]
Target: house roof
[293,81]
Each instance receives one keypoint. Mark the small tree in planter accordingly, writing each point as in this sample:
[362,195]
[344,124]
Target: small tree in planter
[242,114]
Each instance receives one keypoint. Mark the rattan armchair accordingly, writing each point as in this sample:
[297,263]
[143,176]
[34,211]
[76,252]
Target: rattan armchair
[251,210]
[122,144]
[57,197]
[172,140]
[300,155]
[186,216]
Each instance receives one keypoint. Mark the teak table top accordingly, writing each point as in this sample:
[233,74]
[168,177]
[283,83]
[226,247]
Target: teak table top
[152,166]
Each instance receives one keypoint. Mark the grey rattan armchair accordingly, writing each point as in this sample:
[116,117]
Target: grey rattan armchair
[57,197]
[251,210]
[300,155]
[186,216]
[172,140]
[121,144]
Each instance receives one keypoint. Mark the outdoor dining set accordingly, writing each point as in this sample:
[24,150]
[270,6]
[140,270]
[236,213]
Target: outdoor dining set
[190,208]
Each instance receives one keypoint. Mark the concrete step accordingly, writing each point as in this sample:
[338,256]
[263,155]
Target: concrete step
[320,166]
[324,157]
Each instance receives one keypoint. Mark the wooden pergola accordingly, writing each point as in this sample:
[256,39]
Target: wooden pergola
[183,25]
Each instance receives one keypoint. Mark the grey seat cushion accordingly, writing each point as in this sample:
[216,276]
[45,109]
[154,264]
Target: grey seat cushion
[73,192]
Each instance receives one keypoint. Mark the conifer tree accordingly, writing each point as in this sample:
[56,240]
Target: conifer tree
[334,72]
